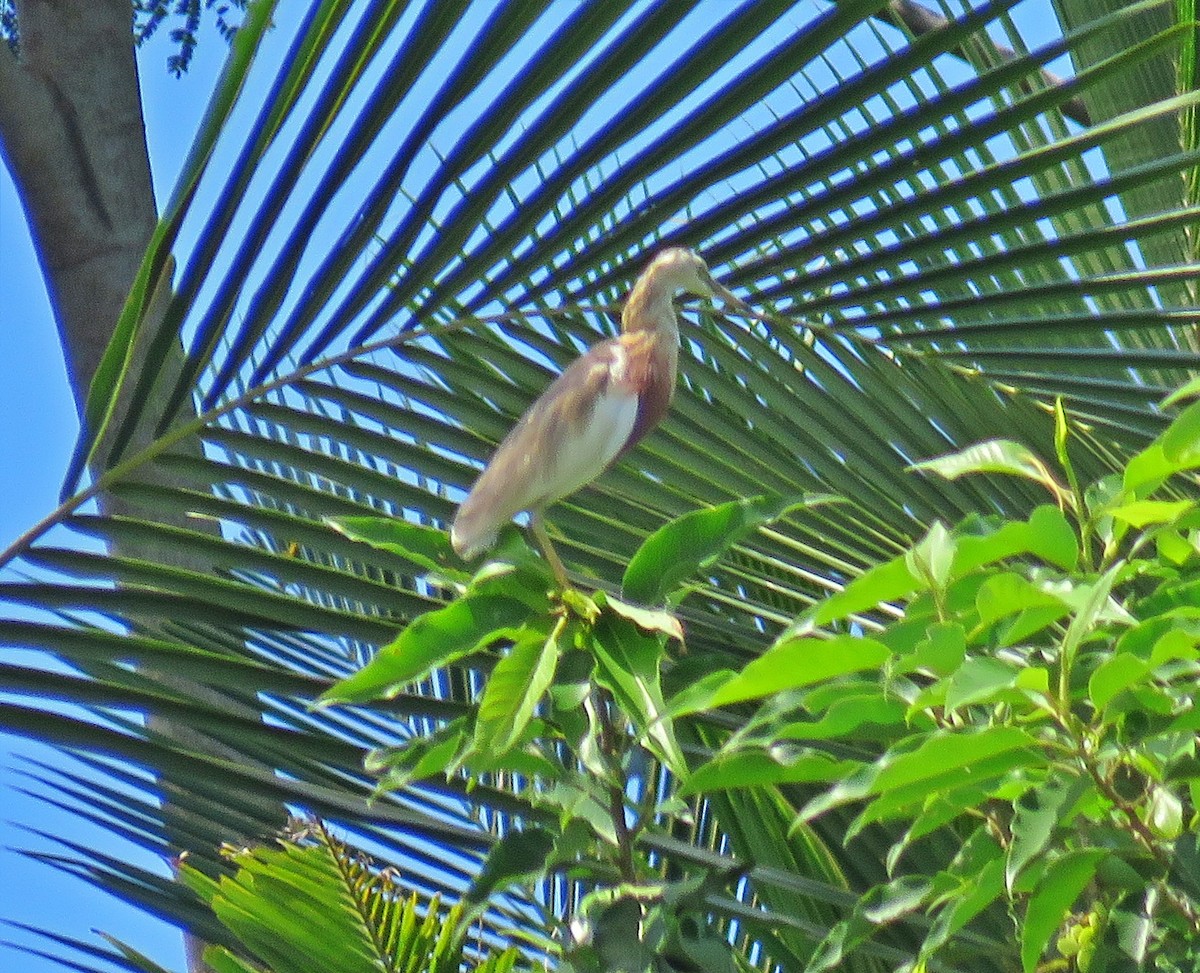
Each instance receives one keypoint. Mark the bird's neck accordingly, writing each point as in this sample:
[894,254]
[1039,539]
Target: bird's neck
[649,308]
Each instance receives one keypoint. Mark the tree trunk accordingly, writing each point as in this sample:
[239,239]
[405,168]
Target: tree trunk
[73,138]
[72,135]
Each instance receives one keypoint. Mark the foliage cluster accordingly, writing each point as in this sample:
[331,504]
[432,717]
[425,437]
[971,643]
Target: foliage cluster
[312,903]
[1025,688]
[148,16]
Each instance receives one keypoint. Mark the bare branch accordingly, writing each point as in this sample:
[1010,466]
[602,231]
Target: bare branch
[919,21]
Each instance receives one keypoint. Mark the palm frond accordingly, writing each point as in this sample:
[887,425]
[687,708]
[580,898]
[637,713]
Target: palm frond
[937,252]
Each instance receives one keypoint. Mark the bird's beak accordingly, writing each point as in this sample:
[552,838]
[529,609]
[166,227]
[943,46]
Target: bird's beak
[729,298]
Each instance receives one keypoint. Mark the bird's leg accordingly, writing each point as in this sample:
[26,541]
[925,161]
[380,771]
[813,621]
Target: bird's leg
[537,527]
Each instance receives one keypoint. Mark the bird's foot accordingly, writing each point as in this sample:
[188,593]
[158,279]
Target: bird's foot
[575,602]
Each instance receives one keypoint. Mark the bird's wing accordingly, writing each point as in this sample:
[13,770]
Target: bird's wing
[568,437]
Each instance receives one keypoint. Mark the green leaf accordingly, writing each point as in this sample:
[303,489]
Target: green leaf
[1177,643]
[1115,675]
[582,804]
[652,620]
[789,664]
[945,751]
[620,935]
[426,547]
[942,650]
[1174,546]
[933,557]
[1094,608]
[1143,513]
[1009,593]
[960,788]
[1065,878]
[629,666]
[976,888]
[1034,679]
[702,946]
[1052,538]
[1062,434]
[1038,814]
[885,583]
[943,759]
[994,456]
[980,680]
[1180,441]
[1147,471]
[1047,534]
[687,545]
[935,813]
[520,856]
[514,690]
[847,715]
[419,758]
[1028,623]
[1175,450]
[697,695]
[754,766]
[1164,814]
[881,905]
[434,639]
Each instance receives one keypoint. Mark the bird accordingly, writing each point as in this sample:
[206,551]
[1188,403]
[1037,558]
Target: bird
[594,412]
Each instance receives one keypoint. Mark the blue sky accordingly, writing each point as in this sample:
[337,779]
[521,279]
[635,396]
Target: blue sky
[37,431]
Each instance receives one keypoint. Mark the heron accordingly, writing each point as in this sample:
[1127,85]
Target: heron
[591,414]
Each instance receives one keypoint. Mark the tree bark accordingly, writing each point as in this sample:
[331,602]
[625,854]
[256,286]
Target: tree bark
[73,137]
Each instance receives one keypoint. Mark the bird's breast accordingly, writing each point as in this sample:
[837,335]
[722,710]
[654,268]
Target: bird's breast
[650,364]
[588,444]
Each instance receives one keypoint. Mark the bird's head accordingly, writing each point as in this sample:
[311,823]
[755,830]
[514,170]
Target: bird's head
[680,269]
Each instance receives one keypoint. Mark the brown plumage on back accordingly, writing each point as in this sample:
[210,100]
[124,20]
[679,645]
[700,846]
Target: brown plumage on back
[596,410]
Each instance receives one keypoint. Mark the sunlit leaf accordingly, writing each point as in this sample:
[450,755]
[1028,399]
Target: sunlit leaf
[768,765]
[426,547]
[515,689]
[1114,675]
[1047,534]
[1059,888]
[995,456]
[434,639]
[884,583]
[979,680]
[683,547]
[791,664]
[628,663]
[647,619]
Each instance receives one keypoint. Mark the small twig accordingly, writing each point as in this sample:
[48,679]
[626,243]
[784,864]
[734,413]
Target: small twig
[616,788]
[1138,828]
